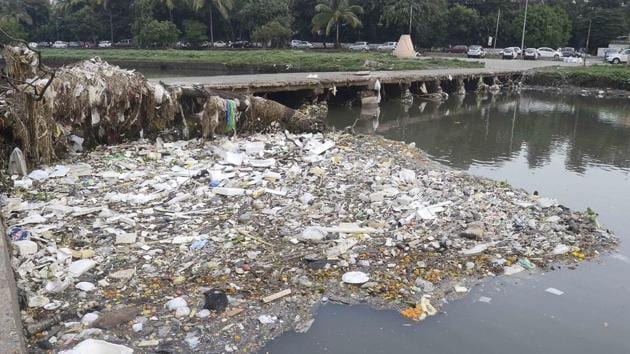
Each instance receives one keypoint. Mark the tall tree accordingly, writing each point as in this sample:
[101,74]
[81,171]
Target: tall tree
[107,7]
[426,18]
[547,26]
[223,6]
[15,10]
[257,13]
[170,5]
[333,13]
[463,25]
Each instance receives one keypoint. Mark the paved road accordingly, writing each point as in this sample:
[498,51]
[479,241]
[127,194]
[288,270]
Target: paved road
[276,82]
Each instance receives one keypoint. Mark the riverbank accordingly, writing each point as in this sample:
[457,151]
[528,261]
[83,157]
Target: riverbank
[263,61]
[615,77]
[143,237]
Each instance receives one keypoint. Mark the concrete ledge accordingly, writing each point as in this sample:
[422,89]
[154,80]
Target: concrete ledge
[267,83]
[11,329]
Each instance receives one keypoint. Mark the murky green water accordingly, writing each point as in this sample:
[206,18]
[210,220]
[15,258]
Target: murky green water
[575,149]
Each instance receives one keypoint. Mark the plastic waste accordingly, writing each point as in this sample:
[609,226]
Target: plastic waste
[17,163]
[526,263]
[199,244]
[176,303]
[85,286]
[77,268]
[430,212]
[37,301]
[25,247]
[561,249]
[97,346]
[182,312]
[342,247]
[554,291]
[546,202]
[313,234]
[38,175]
[477,249]
[460,289]
[228,192]
[216,300]
[355,278]
[266,319]
[513,269]
[17,233]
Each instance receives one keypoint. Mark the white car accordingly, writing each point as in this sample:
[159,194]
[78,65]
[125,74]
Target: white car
[360,46]
[33,45]
[476,51]
[618,58]
[515,50]
[104,44]
[60,45]
[509,53]
[297,44]
[530,54]
[546,52]
[387,47]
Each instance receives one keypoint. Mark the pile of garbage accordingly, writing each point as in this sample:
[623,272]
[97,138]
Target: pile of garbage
[221,246]
[48,112]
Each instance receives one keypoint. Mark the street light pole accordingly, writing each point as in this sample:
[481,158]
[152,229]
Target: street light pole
[496,31]
[524,24]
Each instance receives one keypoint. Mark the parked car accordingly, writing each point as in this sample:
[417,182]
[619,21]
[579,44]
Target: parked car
[620,57]
[546,52]
[74,45]
[568,52]
[459,49]
[104,44]
[516,51]
[476,51]
[610,51]
[387,47]
[33,45]
[360,46]
[43,44]
[509,53]
[124,43]
[298,44]
[241,44]
[219,44]
[530,54]
[60,45]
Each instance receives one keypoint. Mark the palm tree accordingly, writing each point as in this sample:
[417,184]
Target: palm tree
[334,13]
[223,6]
[170,5]
[105,4]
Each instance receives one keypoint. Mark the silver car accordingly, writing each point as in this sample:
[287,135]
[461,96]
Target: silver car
[387,47]
[360,47]
[476,51]
[297,44]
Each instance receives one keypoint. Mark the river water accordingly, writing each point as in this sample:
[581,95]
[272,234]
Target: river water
[574,149]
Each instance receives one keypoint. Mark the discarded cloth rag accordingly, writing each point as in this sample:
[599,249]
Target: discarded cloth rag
[230,115]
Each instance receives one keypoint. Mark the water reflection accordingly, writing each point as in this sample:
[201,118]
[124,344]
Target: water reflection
[489,130]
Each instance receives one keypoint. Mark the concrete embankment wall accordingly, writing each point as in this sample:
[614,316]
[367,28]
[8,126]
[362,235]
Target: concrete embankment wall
[11,332]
